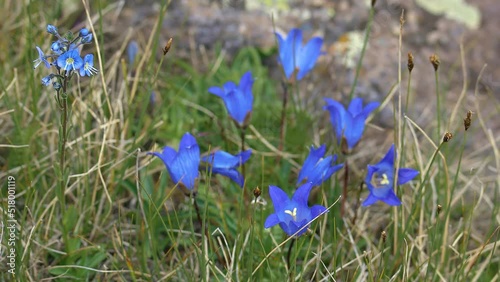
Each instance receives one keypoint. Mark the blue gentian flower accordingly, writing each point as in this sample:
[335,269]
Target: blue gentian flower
[294,56]
[132,49]
[317,169]
[88,66]
[70,60]
[41,59]
[237,98]
[292,215]
[380,180]
[225,164]
[183,165]
[349,123]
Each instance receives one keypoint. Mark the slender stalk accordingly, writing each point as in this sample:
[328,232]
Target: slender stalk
[205,228]
[63,137]
[438,105]
[356,207]
[242,135]
[283,119]
[344,189]
[290,271]
[365,43]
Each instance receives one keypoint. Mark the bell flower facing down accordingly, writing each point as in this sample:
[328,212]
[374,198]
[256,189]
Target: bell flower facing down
[316,168]
[296,57]
[182,165]
[293,214]
[380,180]
[349,123]
[237,98]
[226,164]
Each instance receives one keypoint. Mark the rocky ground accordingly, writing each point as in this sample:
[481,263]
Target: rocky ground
[199,26]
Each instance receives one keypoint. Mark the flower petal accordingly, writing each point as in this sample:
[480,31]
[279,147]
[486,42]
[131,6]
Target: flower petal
[370,107]
[370,200]
[308,57]
[302,194]
[317,210]
[232,174]
[338,116]
[222,160]
[278,197]
[216,91]
[406,174]
[310,162]
[271,221]
[354,128]
[355,107]
[389,157]
[391,199]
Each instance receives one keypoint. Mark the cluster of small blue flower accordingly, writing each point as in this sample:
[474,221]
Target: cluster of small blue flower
[65,57]
[292,215]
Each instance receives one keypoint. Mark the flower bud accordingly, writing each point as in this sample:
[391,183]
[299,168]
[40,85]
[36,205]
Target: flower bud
[87,38]
[84,32]
[51,29]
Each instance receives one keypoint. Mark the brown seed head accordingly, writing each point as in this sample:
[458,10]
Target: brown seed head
[256,192]
[410,61]
[167,46]
[447,136]
[435,61]
[439,208]
[384,236]
[468,120]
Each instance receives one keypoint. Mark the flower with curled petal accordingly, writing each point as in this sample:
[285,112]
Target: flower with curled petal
[226,164]
[318,168]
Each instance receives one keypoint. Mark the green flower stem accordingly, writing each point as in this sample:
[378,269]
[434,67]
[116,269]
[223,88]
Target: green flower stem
[344,189]
[281,145]
[204,226]
[365,43]
[438,105]
[288,262]
[63,137]
[242,135]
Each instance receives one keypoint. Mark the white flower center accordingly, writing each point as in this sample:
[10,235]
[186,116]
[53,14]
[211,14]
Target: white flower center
[379,182]
[292,213]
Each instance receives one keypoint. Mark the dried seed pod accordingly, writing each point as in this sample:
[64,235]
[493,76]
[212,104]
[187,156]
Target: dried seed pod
[468,120]
[384,236]
[447,136]
[439,208]
[435,61]
[167,46]
[256,192]
[410,61]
